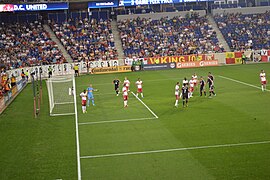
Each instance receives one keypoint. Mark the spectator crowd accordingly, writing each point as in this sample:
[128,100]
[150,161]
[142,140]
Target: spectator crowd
[145,37]
[245,32]
[27,44]
[87,39]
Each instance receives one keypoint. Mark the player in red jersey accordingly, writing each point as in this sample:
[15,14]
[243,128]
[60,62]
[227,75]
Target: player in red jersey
[125,95]
[195,79]
[139,84]
[177,88]
[126,83]
[83,95]
[263,80]
[191,87]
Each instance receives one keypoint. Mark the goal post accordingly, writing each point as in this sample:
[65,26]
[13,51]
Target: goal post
[61,93]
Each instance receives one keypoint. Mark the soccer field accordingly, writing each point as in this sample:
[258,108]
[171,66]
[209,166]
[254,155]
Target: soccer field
[224,137]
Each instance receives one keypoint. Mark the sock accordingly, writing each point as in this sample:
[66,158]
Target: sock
[83,109]
[204,93]
[88,102]
[262,87]
[201,93]
[176,102]
[142,95]
[183,102]
[137,94]
[93,102]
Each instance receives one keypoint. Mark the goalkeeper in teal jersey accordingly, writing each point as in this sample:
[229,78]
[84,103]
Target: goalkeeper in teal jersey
[90,95]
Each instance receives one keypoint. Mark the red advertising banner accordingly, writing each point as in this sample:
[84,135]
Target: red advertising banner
[265,55]
[196,64]
[234,57]
[178,59]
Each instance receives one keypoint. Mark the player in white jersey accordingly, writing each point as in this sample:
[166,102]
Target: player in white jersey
[177,89]
[126,83]
[139,84]
[125,95]
[83,95]
[191,87]
[195,79]
[263,80]
[185,81]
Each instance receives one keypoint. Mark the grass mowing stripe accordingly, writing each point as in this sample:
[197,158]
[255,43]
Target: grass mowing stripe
[240,82]
[115,121]
[145,105]
[175,149]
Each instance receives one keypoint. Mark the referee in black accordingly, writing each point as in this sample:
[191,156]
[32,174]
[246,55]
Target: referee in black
[202,87]
[116,83]
[184,95]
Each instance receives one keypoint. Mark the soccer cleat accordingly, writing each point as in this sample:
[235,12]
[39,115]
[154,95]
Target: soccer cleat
[94,105]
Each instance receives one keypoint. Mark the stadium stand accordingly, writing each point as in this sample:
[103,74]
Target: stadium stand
[245,32]
[142,37]
[27,44]
[87,39]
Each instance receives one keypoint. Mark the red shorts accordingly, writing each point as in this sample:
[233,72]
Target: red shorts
[125,98]
[83,102]
[176,97]
[263,82]
[139,90]
[195,84]
[191,89]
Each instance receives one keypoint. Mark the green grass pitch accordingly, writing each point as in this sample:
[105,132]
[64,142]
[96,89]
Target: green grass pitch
[45,148]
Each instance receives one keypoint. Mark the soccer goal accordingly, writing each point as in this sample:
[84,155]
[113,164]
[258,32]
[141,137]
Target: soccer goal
[62,95]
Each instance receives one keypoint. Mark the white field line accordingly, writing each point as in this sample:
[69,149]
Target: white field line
[63,114]
[115,121]
[240,82]
[145,105]
[175,149]
[77,133]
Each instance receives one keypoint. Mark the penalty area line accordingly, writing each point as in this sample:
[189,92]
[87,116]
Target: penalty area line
[240,82]
[145,105]
[116,121]
[175,149]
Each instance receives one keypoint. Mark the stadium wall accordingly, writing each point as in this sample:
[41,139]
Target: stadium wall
[248,10]
[156,16]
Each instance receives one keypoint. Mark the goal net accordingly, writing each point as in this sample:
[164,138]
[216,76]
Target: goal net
[61,91]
